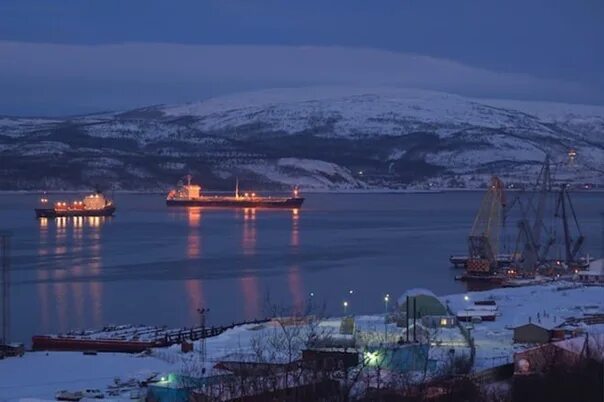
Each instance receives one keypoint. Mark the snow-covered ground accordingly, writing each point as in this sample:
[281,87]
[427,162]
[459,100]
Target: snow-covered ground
[40,374]
[554,302]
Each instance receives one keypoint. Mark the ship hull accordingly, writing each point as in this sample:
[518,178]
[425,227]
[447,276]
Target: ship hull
[53,213]
[288,203]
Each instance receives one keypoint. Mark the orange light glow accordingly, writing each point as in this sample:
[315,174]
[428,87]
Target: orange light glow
[249,231]
[194,291]
[295,238]
[96,286]
[296,288]
[251,297]
[194,216]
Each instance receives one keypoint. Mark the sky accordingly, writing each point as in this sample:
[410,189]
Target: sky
[80,56]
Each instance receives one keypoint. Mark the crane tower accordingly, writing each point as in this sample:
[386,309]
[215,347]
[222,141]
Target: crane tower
[483,241]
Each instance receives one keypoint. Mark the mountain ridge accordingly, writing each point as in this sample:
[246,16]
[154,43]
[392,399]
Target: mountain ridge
[342,138]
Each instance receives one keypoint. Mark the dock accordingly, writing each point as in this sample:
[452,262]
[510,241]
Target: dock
[127,338]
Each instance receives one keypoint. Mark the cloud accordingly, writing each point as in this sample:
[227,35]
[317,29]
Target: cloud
[57,78]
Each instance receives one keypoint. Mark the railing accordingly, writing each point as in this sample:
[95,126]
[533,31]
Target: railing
[194,334]
[467,335]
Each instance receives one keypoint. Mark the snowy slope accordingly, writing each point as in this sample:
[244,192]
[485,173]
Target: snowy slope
[320,138]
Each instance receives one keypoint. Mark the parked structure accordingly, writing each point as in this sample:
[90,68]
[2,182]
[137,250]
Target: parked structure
[594,274]
[421,303]
[533,333]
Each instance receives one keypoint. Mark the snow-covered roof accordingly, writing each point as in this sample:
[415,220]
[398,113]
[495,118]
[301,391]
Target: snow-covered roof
[414,293]
[577,345]
[548,324]
[475,313]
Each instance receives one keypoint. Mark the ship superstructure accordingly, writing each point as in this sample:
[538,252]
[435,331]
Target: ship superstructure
[95,204]
[191,195]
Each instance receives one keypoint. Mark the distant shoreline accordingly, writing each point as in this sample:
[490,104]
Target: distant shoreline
[309,191]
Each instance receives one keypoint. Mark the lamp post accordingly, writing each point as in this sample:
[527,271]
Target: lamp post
[345,304]
[386,300]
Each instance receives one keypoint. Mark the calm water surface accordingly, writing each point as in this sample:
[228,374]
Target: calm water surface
[156,265]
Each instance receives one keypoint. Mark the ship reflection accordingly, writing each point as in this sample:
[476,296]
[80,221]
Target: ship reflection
[60,297]
[295,238]
[96,286]
[194,291]
[251,296]
[77,291]
[194,237]
[194,287]
[249,282]
[296,289]
[63,222]
[249,231]
[70,248]
[42,277]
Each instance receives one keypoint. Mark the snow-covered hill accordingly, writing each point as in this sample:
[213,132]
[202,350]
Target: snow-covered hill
[320,138]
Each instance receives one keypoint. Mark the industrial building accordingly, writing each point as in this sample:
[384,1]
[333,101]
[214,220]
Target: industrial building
[533,332]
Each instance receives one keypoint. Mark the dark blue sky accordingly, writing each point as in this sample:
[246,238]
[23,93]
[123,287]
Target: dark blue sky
[550,39]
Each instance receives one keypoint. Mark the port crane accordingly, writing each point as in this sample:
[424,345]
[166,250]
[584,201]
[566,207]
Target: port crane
[530,233]
[483,241]
[535,239]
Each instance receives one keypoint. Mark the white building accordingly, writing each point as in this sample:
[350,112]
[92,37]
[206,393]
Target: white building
[594,274]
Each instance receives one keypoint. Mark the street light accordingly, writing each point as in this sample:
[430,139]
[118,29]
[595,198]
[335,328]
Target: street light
[466,297]
[350,292]
[345,304]
[386,300]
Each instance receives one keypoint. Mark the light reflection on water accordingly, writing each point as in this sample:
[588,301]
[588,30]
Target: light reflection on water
[66,301]
[249,281]
[154,265]
[194,287]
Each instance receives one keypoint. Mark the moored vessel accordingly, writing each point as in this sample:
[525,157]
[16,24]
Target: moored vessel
[92,205]
[190,195]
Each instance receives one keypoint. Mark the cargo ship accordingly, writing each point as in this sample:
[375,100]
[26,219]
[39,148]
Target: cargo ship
[92,205]
[189,195]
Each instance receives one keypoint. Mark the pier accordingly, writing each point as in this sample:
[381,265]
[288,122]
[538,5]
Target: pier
[128,338]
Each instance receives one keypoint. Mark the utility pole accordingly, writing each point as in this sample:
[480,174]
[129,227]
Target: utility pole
[5,289]
[202,316]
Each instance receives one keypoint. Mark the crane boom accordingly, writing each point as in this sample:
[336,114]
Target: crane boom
[483,241]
